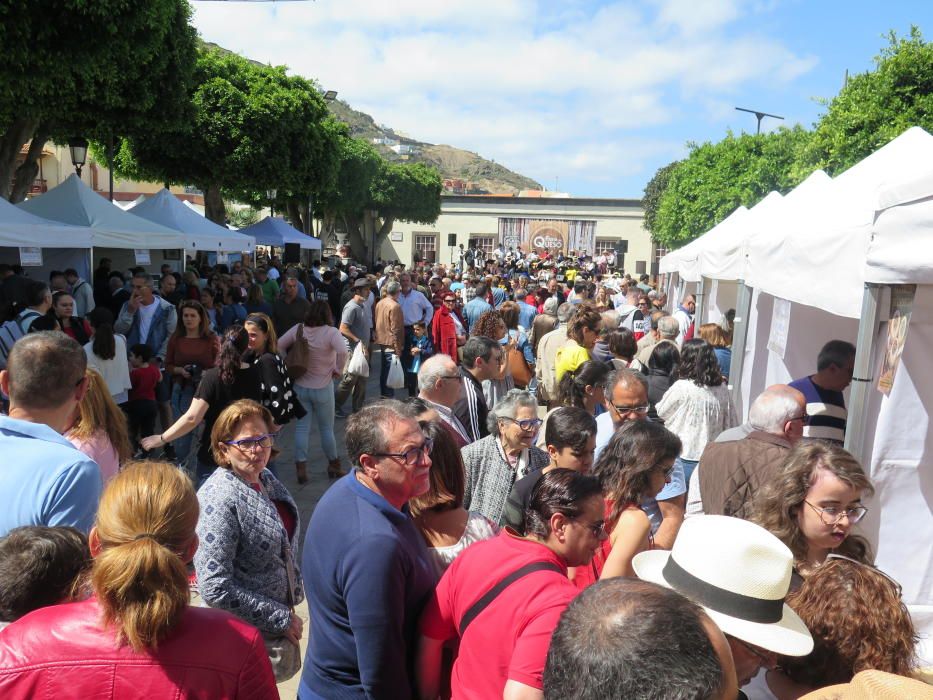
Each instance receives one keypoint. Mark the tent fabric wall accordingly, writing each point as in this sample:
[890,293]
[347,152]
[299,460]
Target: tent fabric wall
[276,232]
[52,259]
[721,296]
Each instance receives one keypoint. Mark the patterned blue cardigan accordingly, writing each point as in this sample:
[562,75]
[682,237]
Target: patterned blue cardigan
[240,559]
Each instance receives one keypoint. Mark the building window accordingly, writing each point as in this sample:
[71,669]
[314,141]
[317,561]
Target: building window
[605,245]
[426,245]
[485,243]
[659,253]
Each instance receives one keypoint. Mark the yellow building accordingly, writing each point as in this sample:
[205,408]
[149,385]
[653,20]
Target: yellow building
[529,221]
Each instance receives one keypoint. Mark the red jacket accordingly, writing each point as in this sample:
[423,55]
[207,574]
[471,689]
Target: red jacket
[444,334]
[62,652]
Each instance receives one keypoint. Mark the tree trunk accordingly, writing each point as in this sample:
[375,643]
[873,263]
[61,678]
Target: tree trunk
[29,168]
[11,141]
[214,205]
[293,207]
[382,234]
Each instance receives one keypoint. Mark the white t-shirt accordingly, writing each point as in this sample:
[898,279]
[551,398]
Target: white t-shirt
[146,314]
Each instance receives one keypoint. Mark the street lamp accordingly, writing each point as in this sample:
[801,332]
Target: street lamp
[271,195]
[78,148]
[759,116]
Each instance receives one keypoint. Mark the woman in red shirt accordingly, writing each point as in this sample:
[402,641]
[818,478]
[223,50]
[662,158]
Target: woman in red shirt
[63,306]
[137,636]
[635,465]
[193,348]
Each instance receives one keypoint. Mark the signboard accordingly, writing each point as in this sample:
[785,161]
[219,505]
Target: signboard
[395,236]
[222,258]
[142,256]
[780,324]
[30,257]
[902,301]
[548,235]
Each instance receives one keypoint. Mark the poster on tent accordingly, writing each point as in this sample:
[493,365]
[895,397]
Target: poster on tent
[780,324]
[30,257]
[142,256]
[548,235]
[902,301]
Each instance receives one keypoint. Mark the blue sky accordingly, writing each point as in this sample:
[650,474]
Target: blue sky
[585,97]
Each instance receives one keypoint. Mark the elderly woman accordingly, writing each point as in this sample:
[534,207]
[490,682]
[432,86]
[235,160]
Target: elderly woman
[248,530]
[137,636]
[493,464]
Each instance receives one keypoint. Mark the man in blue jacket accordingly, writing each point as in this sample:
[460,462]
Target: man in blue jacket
[365,565]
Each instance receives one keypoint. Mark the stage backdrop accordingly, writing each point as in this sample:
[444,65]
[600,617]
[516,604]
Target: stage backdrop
[554,235]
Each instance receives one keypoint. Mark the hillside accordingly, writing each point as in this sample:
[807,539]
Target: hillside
[477,175]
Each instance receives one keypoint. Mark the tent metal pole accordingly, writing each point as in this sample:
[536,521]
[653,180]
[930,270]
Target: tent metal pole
[739,341]
[862,376]
[700,315]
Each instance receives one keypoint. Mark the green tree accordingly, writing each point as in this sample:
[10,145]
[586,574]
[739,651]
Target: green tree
[96,69]
[654,191]
[876,106]
[252,128]
[718,177]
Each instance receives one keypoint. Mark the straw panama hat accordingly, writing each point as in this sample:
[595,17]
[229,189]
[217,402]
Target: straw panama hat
[874,685]
[739,573]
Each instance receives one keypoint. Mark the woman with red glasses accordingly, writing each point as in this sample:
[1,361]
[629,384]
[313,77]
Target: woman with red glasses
[448,332]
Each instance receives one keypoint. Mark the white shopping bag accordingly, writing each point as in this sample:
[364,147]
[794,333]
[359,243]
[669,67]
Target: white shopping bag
[358,364]
[396,378]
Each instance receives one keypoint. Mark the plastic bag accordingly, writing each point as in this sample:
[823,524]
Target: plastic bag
[396,377]
[358,364]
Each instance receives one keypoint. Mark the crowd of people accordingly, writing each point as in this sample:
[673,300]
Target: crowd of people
[552,496]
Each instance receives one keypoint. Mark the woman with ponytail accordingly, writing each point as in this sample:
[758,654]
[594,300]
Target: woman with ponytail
[106,352]
[137,637]
[233,378]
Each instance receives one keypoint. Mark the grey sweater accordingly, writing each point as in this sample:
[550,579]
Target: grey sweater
[489,478]
[240,561]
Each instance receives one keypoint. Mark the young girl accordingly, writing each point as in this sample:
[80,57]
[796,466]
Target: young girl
[141,408]
[636,464]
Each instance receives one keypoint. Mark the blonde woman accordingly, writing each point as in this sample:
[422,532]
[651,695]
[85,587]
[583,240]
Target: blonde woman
[136,637]
[100,430]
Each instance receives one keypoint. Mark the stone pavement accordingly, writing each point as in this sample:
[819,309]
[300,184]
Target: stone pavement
[307,495]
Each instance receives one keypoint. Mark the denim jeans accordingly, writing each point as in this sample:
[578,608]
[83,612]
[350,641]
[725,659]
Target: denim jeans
[387,356]
[181,402]
[688,466]
[320,406]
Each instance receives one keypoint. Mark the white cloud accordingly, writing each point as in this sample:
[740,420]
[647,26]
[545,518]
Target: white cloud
[544,88]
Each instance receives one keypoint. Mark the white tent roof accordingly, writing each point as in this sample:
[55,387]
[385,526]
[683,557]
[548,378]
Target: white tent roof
[19,228]
[818,256]
[73,202]
[722,256]
[200,233]
[901,247]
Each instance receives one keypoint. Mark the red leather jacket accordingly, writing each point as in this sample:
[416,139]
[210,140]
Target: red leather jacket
[63,652]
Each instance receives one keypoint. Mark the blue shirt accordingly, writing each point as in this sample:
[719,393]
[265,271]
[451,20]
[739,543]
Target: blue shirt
[474,309]
[44,480]
[367,576]
[526,315]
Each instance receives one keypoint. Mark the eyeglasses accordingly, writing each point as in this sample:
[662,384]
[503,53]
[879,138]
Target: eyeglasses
[413,456]
[834,513]
[804,417]
[260,442]
[625,410]
[765,657]
[598,529]
[896,585]
[449,301]
[526,425]
[450,376]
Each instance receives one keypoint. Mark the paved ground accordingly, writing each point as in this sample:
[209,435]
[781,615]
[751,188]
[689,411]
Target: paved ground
[307,495]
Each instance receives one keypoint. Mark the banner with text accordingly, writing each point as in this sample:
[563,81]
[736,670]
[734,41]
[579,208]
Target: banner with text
[551,235]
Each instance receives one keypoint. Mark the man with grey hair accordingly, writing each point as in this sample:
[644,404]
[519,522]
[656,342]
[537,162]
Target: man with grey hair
[366,567]
[731,473]
[546,365]
[45,480]
[390,333]
[492,465]
[441,387]
[544,323]
[651,338]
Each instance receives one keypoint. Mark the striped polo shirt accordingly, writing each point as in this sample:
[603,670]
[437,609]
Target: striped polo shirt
[827,411]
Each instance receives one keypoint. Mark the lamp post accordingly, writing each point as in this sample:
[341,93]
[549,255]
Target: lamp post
[330,95]
[271,195]
[78,148]
[759,116]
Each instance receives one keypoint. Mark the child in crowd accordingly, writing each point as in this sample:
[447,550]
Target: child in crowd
[141,409]
[40,566]
[421,350]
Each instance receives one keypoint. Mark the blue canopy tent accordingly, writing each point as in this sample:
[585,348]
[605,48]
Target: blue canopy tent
[200,233]
[62,246]
[275,232]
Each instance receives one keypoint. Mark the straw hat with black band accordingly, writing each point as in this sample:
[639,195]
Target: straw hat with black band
[739,573]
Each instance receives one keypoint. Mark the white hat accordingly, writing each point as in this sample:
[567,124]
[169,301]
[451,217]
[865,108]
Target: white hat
[739,573]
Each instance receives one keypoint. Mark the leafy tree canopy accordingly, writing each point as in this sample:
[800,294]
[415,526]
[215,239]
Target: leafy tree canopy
[654,190]
[718,177]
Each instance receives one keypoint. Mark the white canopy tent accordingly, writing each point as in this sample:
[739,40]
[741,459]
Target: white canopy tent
[166,209]
[62,246]
[817,274]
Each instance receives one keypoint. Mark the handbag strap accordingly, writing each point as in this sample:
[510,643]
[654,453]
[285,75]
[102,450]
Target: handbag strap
[477,608]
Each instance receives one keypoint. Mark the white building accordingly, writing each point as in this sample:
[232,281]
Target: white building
[529,221]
